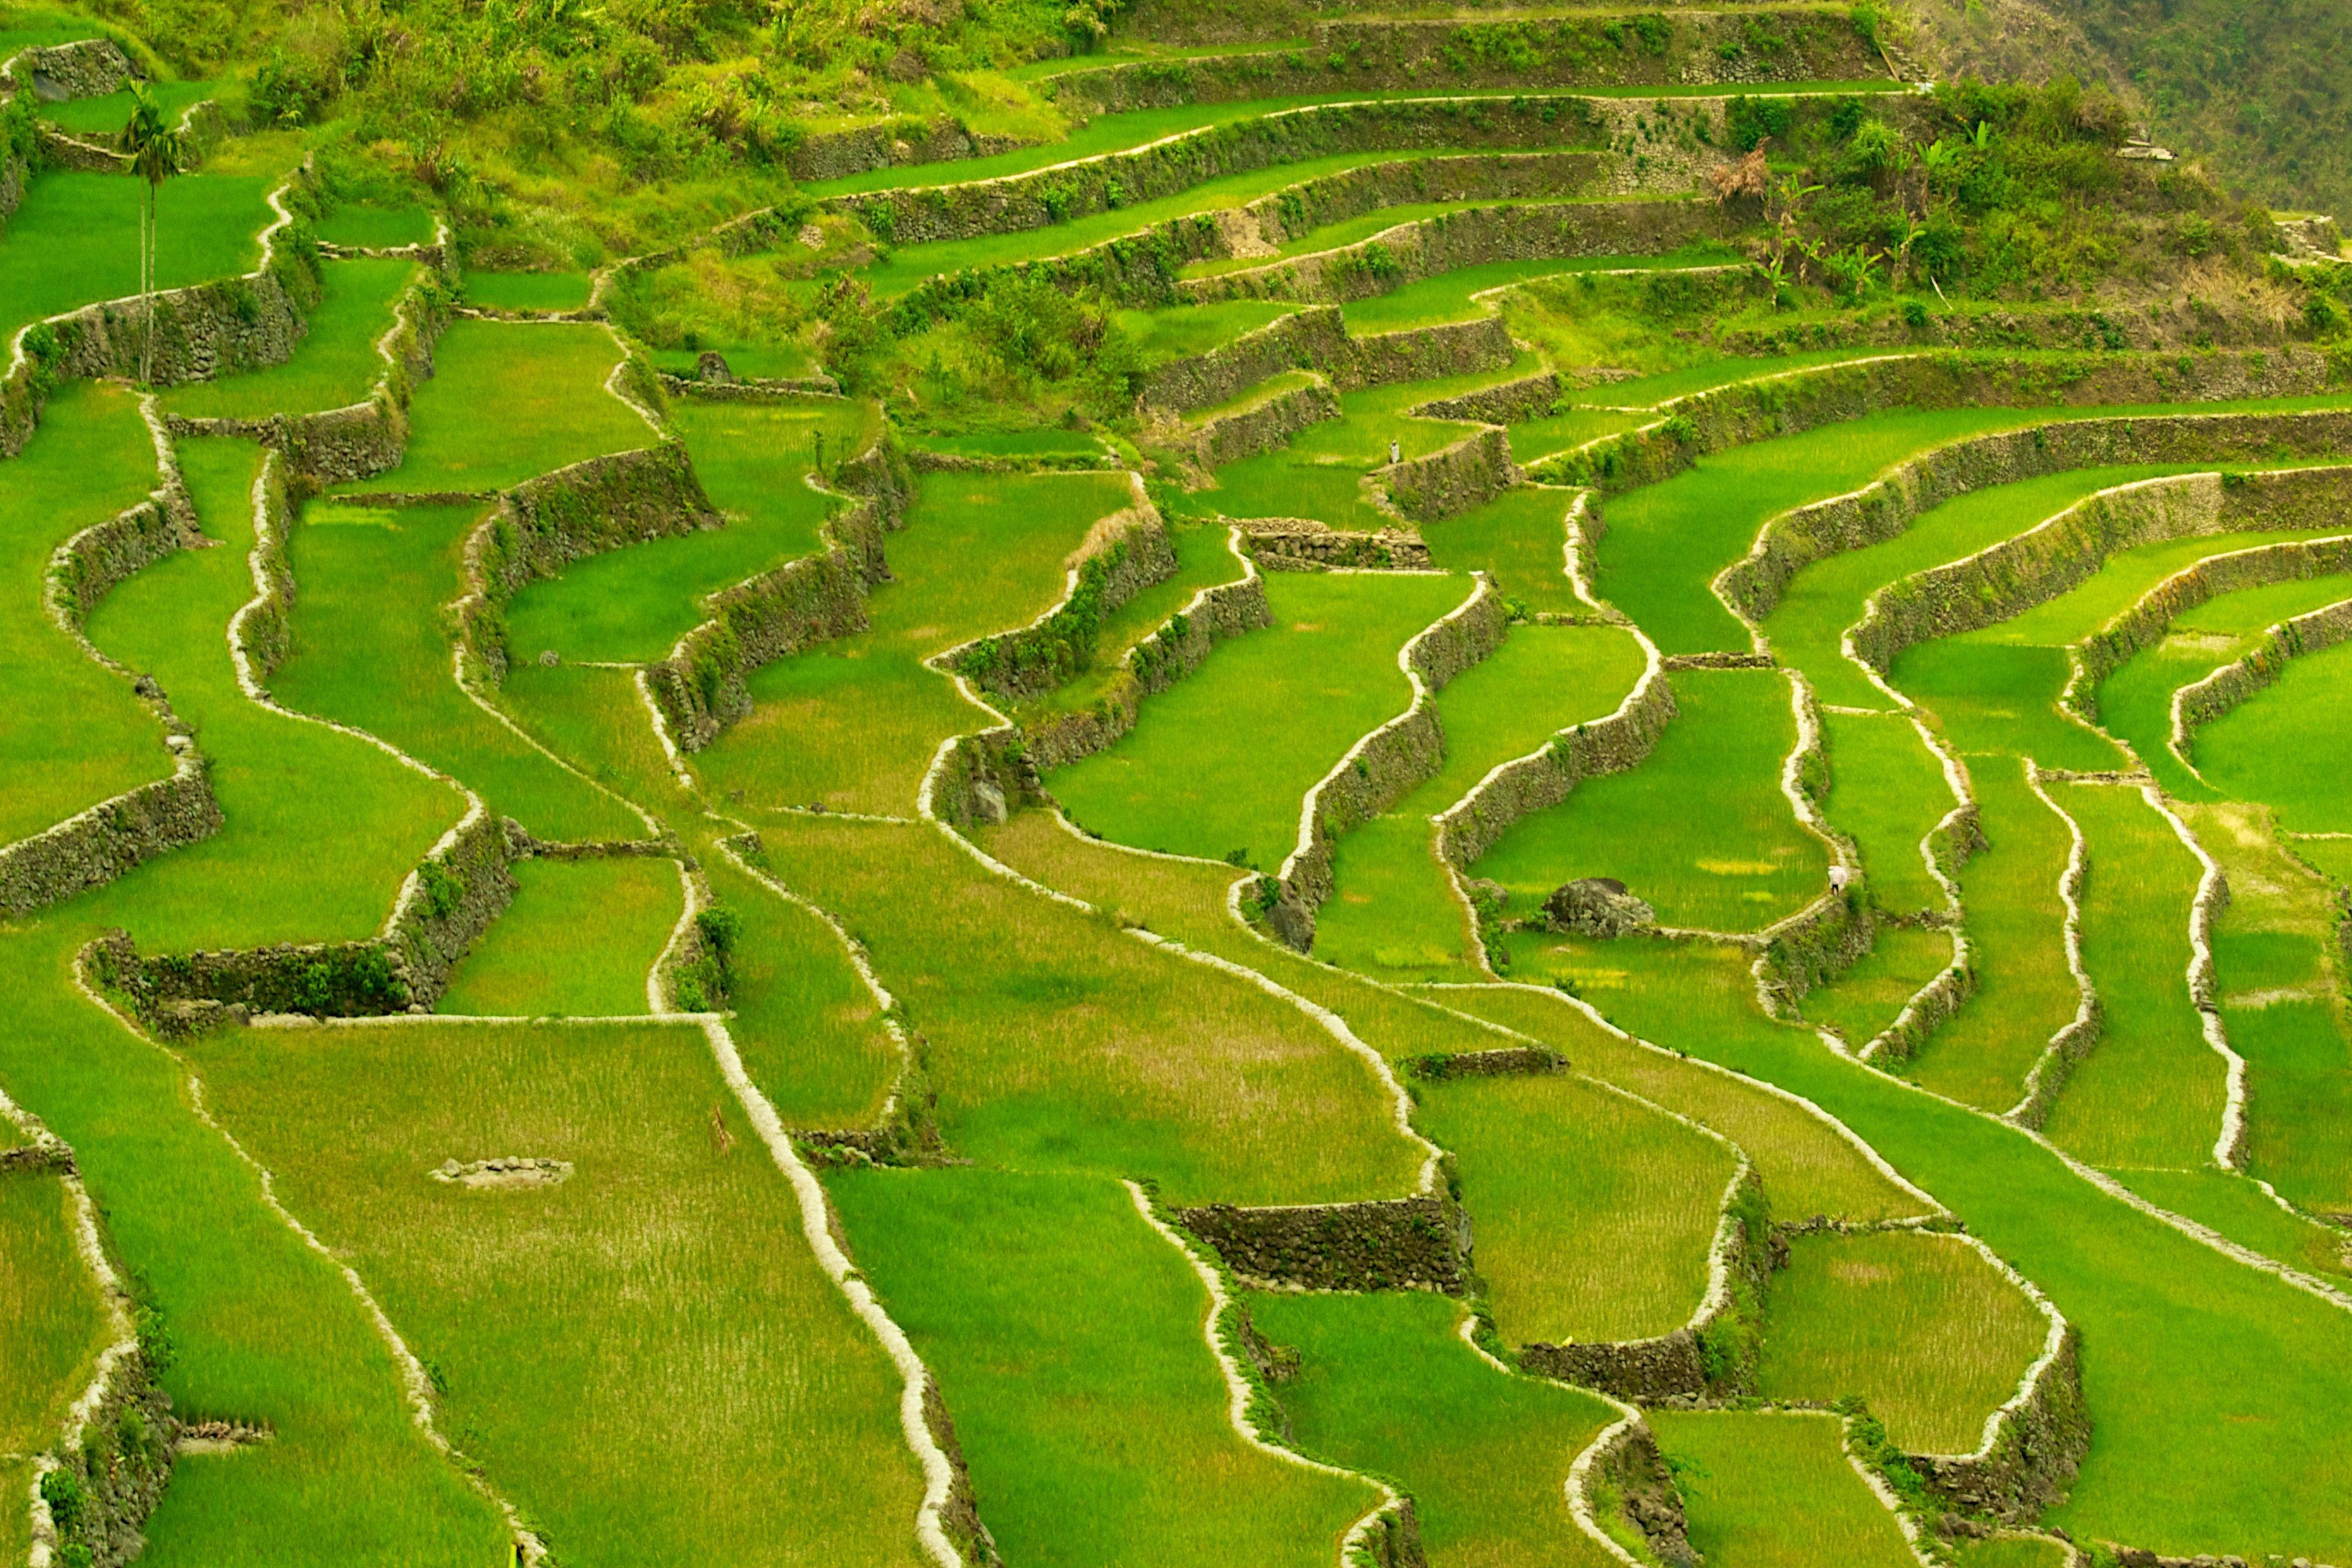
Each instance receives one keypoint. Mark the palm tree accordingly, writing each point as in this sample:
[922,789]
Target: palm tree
[156,152]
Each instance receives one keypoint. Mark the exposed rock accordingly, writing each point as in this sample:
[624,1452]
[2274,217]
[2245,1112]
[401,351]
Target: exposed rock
[1597,906]
[712,364]
[504,1173]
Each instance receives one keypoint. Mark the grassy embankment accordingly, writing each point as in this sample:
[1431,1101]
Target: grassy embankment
[335,365]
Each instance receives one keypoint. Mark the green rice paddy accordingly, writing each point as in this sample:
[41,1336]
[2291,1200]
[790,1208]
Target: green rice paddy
[2286,746]
[335,365]
[1770,1490]
[75,238]
[579,939]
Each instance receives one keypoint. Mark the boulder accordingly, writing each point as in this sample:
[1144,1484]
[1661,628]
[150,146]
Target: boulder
[1597,906]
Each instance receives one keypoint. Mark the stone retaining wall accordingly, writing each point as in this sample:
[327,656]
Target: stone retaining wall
[1630,1463]
[1230,438]
[1926,1012]
[1453,479]
[1888,505]
[93,848]
[90,67]
[834,155]
[2020,572]
[1794,401]
[2232,684]
[1426,354]
[449,904]
[121,1466]
[1510,1061]
[1311,339]
[1829,937]
[1349,56]
[1427,247]
[1303,545]
[1530,784]
[85,567]
[1511,403]
[1392,1244]
[1124,554]
[2034,1454]
[701,689]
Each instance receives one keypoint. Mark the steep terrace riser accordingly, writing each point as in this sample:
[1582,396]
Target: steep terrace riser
[1169,655]
[1127,552]
[832,154]
[1468,474]
[91,67]
[1798,401]
[2018,574]
[1230,438]
[2232,684]
[100,845]
[1518,789]
[1410,252]
[1424,353]
[1316,339]
[1891,504]
[1393,1245]
[2033,1461]
[1019,202]
[1509,404]
[1572,51]
[1289,214]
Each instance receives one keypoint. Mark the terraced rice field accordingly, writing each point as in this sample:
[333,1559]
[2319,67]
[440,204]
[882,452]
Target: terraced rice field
[631,970]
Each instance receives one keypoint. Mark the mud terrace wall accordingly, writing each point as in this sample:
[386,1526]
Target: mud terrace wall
[1889,505]
[1802,400]
[1170,654]
[95,847]
[2232,684]
[1246,433]
[1397,1244]
[1445,483]
[1679,1365]
[700,688]
[1428,246]
[2034,1454]
[1530,784]
[1345,56]
[2020,572]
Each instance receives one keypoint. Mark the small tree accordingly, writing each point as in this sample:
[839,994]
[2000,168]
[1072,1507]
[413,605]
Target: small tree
[157,152]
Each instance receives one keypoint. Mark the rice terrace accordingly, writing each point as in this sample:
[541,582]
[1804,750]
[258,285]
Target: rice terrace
[1136,784]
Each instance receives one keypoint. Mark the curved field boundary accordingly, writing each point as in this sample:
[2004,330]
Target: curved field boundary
[1426,247]
[2205,700]
[1886,507]
[100,843]
[2047,1078]
[1830,935]
[1381,768]
[1317,338]
[1960,836]
[1266,426]
[2212,898]
[1453,479]
[1789,401]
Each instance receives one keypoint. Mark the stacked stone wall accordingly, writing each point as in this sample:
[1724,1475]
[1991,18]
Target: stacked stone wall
[1174,651]
[1303,545]
[95,847]
[1520,788]
[2232,684]
[2034,1456]
[1268,426]
[1392,1244]
[1124,554]
[1454,480]
[1311,339]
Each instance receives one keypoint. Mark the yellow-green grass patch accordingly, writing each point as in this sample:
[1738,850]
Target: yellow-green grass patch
[1219,763]
[103,117]
[1887,792]
[369,650]
[52,1318]
[579,939]
[1179,331]
[645,1357]
[1919,1325]
[1521,538]
[1065,1336]
[1385,1385]
[2151,1092]
[1394,913]
[1700,830]
[1451,296]
[527,290]
[1774,1491]
[595,719]
[1057,1042]
[508,401]
[852,723]
[335,363]
[73,734]
[354,224]
[1607,1238]
[2017,946]
[321,827]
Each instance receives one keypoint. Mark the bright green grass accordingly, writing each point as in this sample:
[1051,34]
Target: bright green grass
[1649,390]
[32,27]
[508,400]
[1607,1238]
[2210,1386]
[778,362]
[322,827]
[1204,558]
[1666,542]
[1070,445]
[578,940]
[646,1358]
[1056,1043]
[1386,1385]
[1065,1335]
[52,1319]
[1179,331]
[2276,972]
[76,238]
[527,290]
[351,224]
[2234,1205]
[1807,1165]
[1863,1001]
[2151,1092]
[1829,596]
[1451,296]
[334,365]
[2016,930]
[369,650]
[2135,701]
[1221,762]
[71,734]
[2012,1552]
[1700,830]
[1887,792]
[1395,914]
[2124,579]
[101,119]
[632,605]
[263,1329]
[809,1032]
[2332,857]
[1919,1325]
[852,723]
[2288,747]
[1539,438]
[1334,236]
[1991,699]
[1521,538]
[595,719]
[1766,1490]
[908,268]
